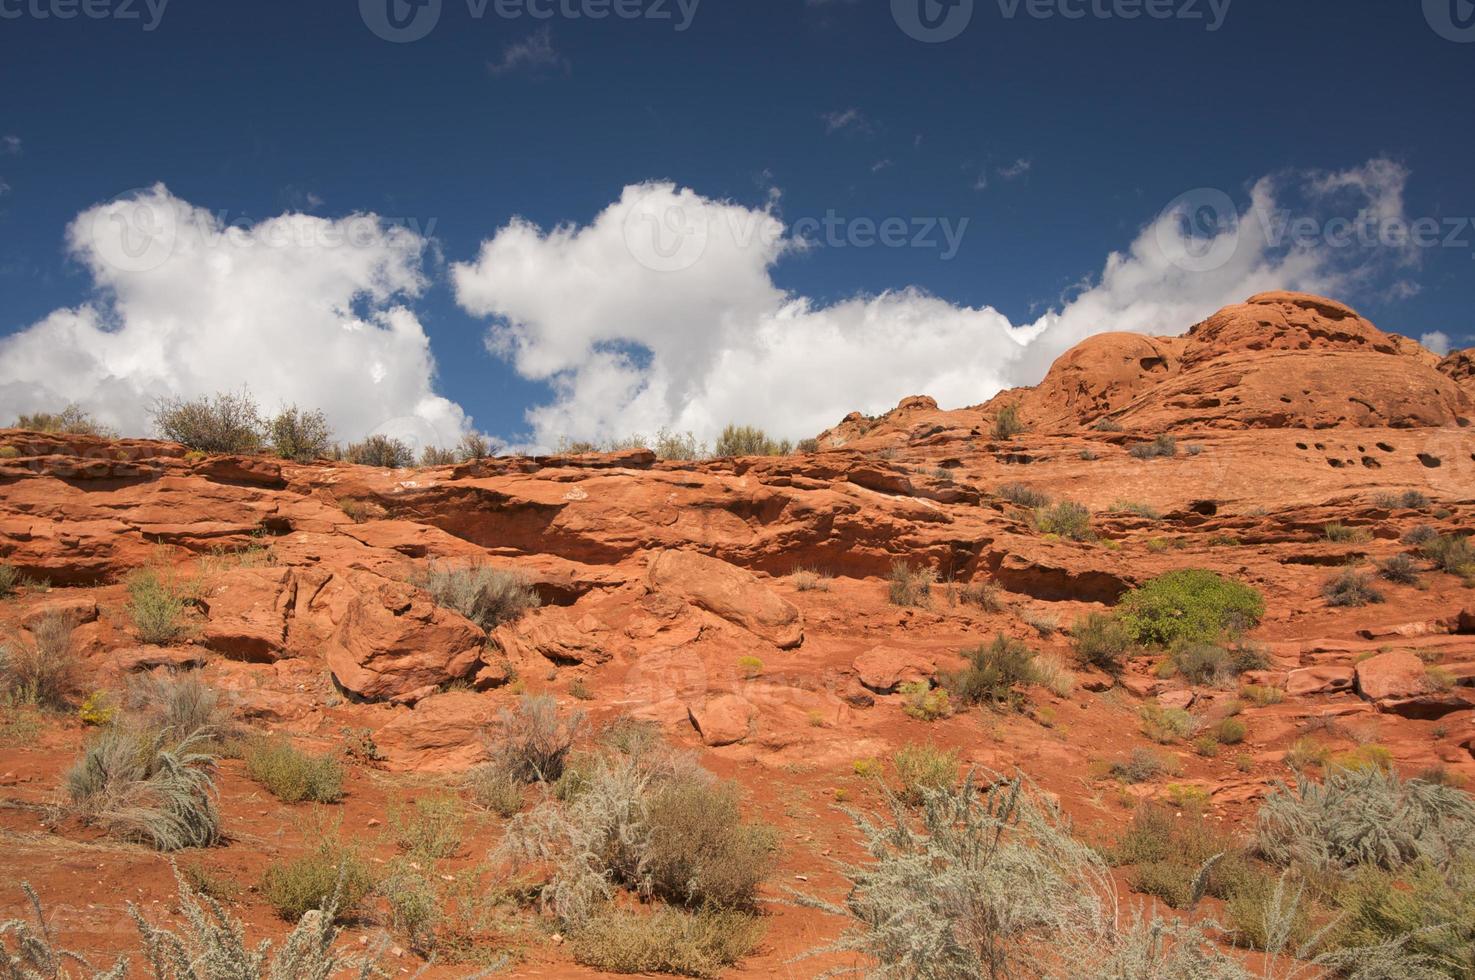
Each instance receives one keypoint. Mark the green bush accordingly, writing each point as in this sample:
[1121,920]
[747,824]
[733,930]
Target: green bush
[1189,605]
[666,940]
[909,586]
[429,828]
[1142,766]
[744,440]
[147,786]
[993,674]
[1350,588]
[298,435]
[1067,519]
[381,451]
[924,702]
[156,604]
[699,851]
[1450,553]
[223,423]
[924,769]
[493,788]
[1429,910]
[1101,641]
[485,595]
[1209,663]
[1230,731]
[69,421]
[331,875]
[1166,725]
[291,775]
[1007,423]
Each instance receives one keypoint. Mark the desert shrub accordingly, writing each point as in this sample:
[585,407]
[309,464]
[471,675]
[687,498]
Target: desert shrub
[744,440]
[180,704]
[1067,519]
[1428,910]
[977,884]
[1166,725]
[1419,536]
[1449,553]
[679,446]
[43,672]
[924,769]
[361,511]
[1229,731]
[11,581]
[1137,509]
[1350,588]
[1399,569]
[810,580]
[1051,673]
[924,702]
[1189,605]
[71,420]
[699,852]
[299,435]
[1307,753]
[1107,424]
[473,446]
[1342,534]
[1163,446]
[909,586]
[156,604]
[382,451]
[1272,913]
[292,775]
[1023,496]
[429,828]
[145,785]
[1365,816]
[750,666]
[1142,766]
[438,456]
[485,595]
[807,446]
[531,742]
[1101,641]
[1179,859]
[1261,695]
[33,954]
[1408,500]
[222,423]
[1370,756]
[1007,423]
[983,595]
[666,940]
[332,875]
[993,674]
[493,788]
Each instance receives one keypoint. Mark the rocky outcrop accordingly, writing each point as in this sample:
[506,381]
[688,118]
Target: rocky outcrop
[728,592]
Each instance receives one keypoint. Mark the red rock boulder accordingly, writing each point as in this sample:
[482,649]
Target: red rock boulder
[728,592]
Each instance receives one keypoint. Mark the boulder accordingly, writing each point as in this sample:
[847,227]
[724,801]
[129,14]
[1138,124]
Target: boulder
[884,669]
[442,734]
[728,592]
[722,720]
[1392,675]
[549,634]
[1319,680]
[132,660]
[246,613]
[79,609]
[396,644]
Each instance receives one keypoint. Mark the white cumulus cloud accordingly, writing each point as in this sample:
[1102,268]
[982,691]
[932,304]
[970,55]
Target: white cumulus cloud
[1437,341]
[296,308]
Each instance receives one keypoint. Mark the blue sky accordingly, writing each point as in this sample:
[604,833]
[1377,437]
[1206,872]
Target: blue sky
[1057,140]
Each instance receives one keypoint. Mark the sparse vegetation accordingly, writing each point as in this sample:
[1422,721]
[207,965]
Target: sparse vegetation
[1101,641]
[156,604]
[924,702]
[332,877]
[1208,663]
[382,451]
[982,595]
[1067,519]
[1023,496]
[1107,424]
[300,435]
[1408,500]
[180,704]
[432,456]
[1450,553]
[923,770]
[72,421]
[1167,725]
[11,581]
[485,595]
[1142,766]
[43,672]
[1160,448]
[1189,605]
[810,580]
[1350,588]
[429,827]
[744,440]
[222,423]
[474,446]
[143,785]
[993,674]
[679,446]
[666,940]
[531,742]
[1137,509]
[909,586]
[750,666]
[1007,423]
[292,775]
[1342,534]
[1399,569]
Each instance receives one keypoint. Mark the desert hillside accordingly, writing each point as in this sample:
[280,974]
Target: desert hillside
[985,590]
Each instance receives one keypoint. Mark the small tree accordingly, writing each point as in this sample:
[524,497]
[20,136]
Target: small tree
[222,423]
[381,450]
[298,435]
[1007,423]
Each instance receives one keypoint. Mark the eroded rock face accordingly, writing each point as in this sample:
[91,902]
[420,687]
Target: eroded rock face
[1392,675]
[1319,680]
[728,592]
[247,612]
[722,720]
[444,733]
[395,644]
